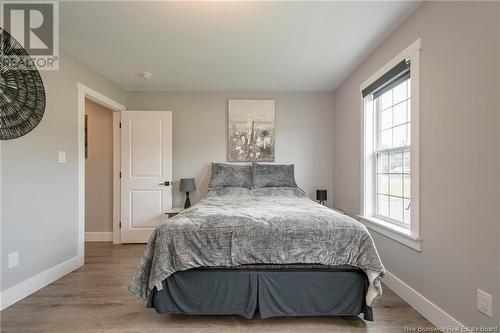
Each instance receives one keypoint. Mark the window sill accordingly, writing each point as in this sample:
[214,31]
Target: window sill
[396,233]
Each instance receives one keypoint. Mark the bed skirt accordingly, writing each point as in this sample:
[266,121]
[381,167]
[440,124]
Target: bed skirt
[271,293]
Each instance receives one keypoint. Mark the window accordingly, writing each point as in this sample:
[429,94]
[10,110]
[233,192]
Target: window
[390,154]
[393,153]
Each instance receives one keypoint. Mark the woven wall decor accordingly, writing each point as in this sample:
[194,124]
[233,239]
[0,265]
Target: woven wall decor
[22,95]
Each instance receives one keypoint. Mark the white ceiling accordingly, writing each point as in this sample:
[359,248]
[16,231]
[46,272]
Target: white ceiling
[194,46]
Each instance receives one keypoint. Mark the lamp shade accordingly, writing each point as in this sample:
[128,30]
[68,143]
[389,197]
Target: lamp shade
[321,195]
[187,185]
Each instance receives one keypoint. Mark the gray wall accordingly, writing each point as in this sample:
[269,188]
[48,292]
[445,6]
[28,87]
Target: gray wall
[303,133]
[498,152]
[99,168]
[39,195]
[459,165]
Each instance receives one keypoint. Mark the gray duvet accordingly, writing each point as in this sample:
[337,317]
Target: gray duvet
[237,226]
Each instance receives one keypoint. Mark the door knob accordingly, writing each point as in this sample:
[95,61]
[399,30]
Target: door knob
[165,183]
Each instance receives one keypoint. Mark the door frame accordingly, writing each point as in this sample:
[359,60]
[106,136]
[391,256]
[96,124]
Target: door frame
[86,92]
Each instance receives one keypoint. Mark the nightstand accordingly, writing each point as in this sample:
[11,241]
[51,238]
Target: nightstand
[174,211]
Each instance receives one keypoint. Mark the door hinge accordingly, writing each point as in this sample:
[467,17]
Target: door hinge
[120,124]
[120,175]
[120,224]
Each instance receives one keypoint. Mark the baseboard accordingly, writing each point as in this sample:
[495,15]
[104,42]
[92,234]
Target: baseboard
[430,311]
[105,236]
[29,286]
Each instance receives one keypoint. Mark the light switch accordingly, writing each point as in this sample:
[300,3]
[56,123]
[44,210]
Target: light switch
[62,156]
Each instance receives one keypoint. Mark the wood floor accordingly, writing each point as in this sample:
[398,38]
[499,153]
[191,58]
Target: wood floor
[95,298]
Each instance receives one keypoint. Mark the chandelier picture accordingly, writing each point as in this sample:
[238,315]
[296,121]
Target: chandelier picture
[22,95]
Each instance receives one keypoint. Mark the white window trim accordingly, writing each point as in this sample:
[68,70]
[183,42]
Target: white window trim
[409,237]
[392,231]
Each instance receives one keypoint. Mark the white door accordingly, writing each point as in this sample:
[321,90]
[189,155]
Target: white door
[146,172]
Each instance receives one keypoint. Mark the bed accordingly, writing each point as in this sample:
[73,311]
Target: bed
[267,250]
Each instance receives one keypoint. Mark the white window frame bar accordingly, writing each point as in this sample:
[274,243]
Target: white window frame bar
[409,237]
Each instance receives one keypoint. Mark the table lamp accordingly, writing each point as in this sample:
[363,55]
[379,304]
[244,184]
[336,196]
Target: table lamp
[321,196]
[187,185]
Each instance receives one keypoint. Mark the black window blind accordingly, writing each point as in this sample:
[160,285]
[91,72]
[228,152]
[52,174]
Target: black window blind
[389,80]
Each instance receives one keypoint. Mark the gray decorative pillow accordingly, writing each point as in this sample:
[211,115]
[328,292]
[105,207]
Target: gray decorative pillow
[273,175]
[231,175]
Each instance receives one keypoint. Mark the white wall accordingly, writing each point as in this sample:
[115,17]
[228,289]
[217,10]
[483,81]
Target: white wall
[99,169]
[303,133]
[459,142]
[39,195]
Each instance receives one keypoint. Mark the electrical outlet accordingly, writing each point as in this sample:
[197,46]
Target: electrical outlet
[62,156]
[485,303]
[13,259]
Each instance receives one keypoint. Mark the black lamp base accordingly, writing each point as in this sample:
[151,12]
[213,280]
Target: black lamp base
[187,204]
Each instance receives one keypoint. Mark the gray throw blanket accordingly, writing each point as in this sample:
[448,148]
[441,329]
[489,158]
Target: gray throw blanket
[238,226]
